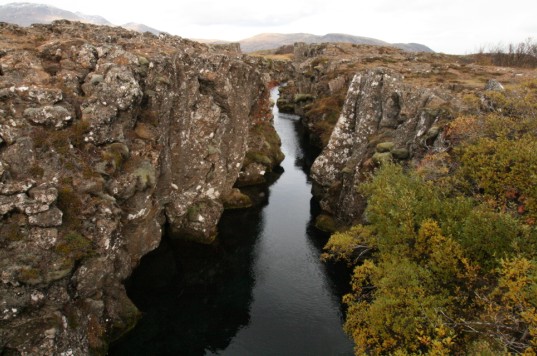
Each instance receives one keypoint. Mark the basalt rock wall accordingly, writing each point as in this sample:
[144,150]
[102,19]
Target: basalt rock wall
[105,136]
[383,118]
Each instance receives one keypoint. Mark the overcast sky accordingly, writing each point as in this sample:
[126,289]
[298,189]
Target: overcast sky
[450,26]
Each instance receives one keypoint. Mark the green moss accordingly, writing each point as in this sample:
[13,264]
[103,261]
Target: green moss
[30,276]
[326,223]
[116,154]
[143,61]
[400,153]
[380,158]
[64,269]
[193,213]
[319,61]
[75,246]
[433,132]
[163,80]
[146,175]
[385,146]
[237,200]
[285,106]
[259,157]
[300,98]
[269,154]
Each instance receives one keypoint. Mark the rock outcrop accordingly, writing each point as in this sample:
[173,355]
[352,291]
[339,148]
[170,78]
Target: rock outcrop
[107,134]
[382,119]
[320,78]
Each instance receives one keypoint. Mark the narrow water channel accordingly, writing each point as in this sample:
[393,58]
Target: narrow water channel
[260,290]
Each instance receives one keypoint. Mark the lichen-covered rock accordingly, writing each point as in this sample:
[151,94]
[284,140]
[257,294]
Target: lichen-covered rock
[56,116]
[106,135]
[382,119]
[494,85]
[237,200]
[51,217]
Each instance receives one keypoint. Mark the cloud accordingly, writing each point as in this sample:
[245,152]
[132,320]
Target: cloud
[452,26]
[246,13]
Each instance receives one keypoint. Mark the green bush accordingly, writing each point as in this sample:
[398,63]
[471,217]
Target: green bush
[433,249]
[504,170]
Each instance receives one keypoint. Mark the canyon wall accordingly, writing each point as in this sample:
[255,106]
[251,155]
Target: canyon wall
[106,135]
[382,119]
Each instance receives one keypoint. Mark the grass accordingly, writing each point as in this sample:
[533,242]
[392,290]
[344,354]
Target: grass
[268,54]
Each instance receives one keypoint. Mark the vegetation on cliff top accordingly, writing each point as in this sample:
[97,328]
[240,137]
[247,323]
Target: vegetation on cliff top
[452,242]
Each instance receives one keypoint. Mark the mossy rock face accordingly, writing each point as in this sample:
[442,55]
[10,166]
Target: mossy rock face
[432,134]
[385,147]
[145,175]
[347,169]
[266,150]
[75,246]
[285,106]
[30,276]
[300,98]
[143,61]
[237,200]
[400,153]
[193,213]
[114,156]
[379,158]
[259,157]
[326,223]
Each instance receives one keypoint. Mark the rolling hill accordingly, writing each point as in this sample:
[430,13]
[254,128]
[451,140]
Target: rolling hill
[266,41]
[25,14]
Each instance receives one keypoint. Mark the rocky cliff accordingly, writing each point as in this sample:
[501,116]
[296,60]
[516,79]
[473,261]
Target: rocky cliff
[382,119]
[105,136]
[364,104]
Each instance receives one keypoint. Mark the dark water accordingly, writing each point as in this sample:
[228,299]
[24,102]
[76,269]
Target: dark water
[259,290]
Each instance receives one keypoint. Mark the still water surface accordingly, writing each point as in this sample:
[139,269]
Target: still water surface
[259,290]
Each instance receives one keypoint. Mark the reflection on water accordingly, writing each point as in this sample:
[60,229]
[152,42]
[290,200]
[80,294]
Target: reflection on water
[259,290]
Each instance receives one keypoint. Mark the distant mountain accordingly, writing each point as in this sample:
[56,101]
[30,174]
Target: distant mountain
[94,19]
[412,47]
[266,41]
[25,14]
[140,27]
[209,41]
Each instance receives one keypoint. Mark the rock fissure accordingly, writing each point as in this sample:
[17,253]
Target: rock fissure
[107,135]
